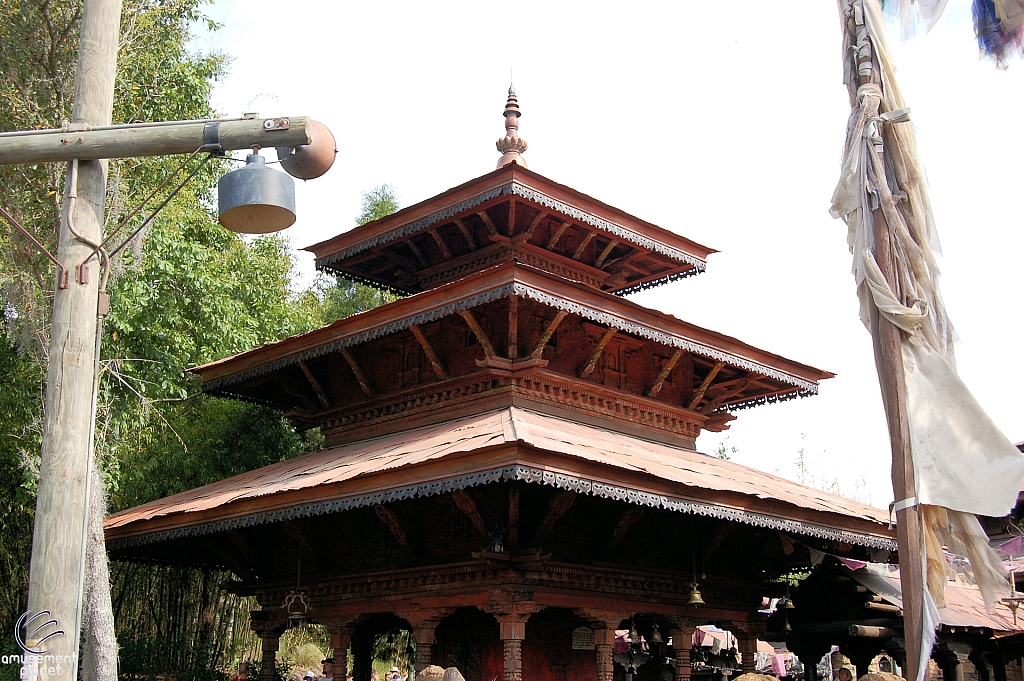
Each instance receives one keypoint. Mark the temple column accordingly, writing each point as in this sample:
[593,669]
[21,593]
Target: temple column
[362,655]
[748,653]
[979,664]
[604,647]
[512,630]
[423,637]
[341,638]
[681,633]
[269,642]
[998,663]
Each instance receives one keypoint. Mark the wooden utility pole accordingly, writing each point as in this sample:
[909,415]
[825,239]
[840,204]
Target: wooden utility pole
[58,542]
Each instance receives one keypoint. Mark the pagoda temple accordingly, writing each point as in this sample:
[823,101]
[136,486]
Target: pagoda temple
[510,470]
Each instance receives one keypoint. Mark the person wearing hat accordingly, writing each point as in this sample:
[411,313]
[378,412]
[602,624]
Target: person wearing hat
[310,676]
[328,664]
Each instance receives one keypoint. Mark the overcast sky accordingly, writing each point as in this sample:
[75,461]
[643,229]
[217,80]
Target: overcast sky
[723,126]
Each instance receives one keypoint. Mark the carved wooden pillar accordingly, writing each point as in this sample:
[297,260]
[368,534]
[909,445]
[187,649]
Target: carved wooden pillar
[341,638]
[748,652]
[998,663]
[979,664]
[362,656]
[512,633]
[423,637]
[604,645]
[269,641]
[682,646]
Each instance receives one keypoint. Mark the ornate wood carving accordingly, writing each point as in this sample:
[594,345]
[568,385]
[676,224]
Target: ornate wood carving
[553,241]
[417,252]
[705,384]
[583,245]
[491,229]
[612,243]
[665,371]
[435,363]
[548,333]
[513,516]
[388,517]
[481,337]
[439,240]
[466,234]
[513,327]
[536,221]
[632,514]
[596,355]
[364,384]
[560,503]
[468,506]
[320,395]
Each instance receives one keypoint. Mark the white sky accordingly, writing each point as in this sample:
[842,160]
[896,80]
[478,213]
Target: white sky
[724,125]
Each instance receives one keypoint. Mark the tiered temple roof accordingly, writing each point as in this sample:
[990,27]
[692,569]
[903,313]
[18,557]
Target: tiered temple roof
[513,439]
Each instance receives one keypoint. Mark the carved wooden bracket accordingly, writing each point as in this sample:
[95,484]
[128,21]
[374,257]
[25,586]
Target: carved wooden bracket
[705,384]
[592,362]
[560,503]
[665,371]
[364,384]
[388,517]
[467,506]
[548,333]
[435,363]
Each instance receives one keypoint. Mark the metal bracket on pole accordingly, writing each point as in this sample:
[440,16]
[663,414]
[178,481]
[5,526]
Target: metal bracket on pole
[211,138]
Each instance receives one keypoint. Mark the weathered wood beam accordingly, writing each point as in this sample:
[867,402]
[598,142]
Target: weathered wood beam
[598,351]
[665,371]
[583,245]
[417,252]
[553,241]
[466,234]
[632,514]
[435,363]
[560,503]
[513,516]
[399,259]
[364,384]
[605,253]
[388,517]
[513,327]
[548,333]
[536,221]
[512,216]
[439,240]
[481,337]
[491,229]
[705,384]
[320,395]
[468,506]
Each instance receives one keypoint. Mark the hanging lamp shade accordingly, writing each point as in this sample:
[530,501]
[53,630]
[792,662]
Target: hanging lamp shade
[256,199]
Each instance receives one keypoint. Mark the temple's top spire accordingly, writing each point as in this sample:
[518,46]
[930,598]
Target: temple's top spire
[511,146]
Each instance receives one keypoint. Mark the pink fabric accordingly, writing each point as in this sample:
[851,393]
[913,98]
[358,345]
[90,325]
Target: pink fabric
[1011,547]
[779,665]
[851,563]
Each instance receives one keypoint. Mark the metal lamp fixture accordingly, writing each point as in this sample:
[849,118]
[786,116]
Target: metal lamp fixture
[255,199]
[296,604]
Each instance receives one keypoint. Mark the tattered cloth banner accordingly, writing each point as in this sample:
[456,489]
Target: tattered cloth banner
[963,464]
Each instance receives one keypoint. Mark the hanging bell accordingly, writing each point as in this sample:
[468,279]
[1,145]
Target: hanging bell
[787,602]
[656,636]
[634,635]
[256,199]
[694,598]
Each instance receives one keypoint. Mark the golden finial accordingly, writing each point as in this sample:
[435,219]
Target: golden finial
[511,146]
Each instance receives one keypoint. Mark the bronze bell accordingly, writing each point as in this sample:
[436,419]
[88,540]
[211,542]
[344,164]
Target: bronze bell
[787,602]
[634,635]
[694,598]
[656,636]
